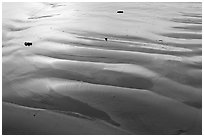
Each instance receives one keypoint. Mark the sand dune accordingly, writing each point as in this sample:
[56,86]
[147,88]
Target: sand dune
[145,79]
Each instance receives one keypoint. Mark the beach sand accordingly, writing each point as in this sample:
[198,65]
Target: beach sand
[144,79]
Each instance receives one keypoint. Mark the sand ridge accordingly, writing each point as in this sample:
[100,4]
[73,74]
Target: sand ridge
[144,79]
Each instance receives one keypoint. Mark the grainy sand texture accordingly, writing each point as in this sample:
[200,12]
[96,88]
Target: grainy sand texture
[102,68]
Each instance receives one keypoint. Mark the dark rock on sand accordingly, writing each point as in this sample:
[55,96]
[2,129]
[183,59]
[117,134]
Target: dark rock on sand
[27,43]
[120,11]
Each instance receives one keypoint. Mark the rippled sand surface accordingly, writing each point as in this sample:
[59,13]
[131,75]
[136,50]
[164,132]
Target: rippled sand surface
[145,79]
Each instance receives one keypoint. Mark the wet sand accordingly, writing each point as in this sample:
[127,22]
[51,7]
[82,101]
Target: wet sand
[145,78]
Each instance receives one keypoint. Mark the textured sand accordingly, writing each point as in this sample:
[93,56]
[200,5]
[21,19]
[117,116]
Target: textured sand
[145,79]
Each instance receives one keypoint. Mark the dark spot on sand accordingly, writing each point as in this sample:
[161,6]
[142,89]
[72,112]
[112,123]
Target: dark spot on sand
[120,11]
[106,39]
[27,43]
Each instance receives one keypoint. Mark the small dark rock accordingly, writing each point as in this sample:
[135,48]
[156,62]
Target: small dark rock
[106,39]
[27,43]
[160,40]
[120,11]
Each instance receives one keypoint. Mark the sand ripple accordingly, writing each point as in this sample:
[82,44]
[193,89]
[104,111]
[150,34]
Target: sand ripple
[145,79]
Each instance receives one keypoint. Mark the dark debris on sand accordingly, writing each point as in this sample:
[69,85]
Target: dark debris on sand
[120,11]
[28,44]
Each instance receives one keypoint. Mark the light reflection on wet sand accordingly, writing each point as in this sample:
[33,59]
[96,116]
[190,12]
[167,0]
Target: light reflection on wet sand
[145,78]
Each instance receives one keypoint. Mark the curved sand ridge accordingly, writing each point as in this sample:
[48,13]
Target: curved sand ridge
[146,79]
